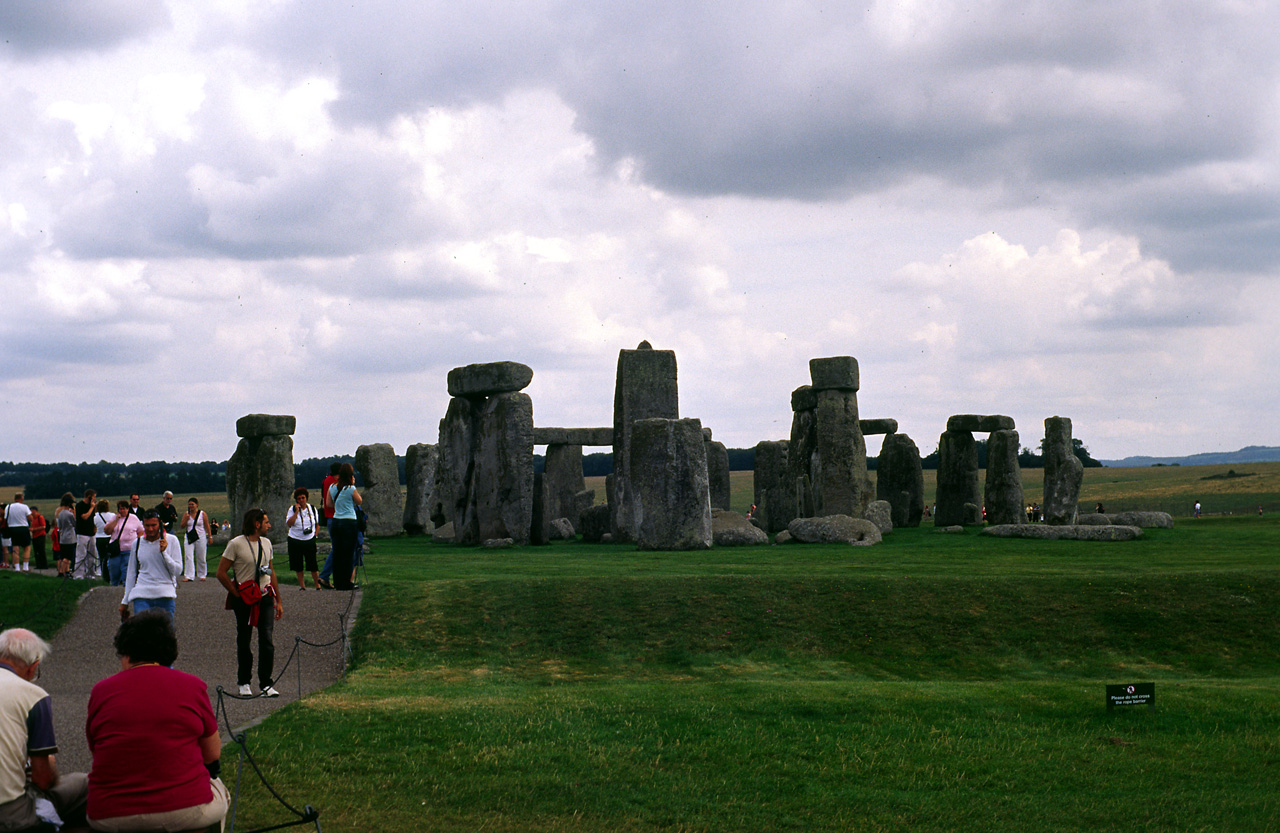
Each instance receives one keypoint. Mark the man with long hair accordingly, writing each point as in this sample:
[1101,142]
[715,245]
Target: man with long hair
[245,570]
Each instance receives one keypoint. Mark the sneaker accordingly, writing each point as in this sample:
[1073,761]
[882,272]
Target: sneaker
[270,692]
[245,691]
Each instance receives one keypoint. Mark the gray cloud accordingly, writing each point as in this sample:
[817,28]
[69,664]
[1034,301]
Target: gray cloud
[36,27]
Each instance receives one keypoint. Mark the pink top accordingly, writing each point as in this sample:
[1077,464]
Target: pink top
[128,531]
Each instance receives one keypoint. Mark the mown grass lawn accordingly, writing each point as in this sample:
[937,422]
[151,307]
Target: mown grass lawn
[935,682]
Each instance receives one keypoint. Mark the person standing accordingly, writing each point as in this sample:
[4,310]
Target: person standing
[18,516]
[167,512]
[195,532]
[151,581]
[135,505]
[27,738]
[86,535]
[39,534]
[67,537]
[302,520]
[253,595]
[125,531]
[344,498]
[101,518]
[1197,509]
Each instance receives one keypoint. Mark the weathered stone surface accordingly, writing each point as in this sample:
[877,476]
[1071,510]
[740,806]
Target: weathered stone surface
[804,398]
[540,528]
[498,543]
[503,476]
[880,513]
[563,467]
[1003,490]
[443,533]
[840,483]
[802,458]
[958,481]
[582,501]
[717,472]
[668,471]
[573,436]
[595,524]
[481,380]
[645,389]
[995,422]
[1145,520]
[420,475]
[731,529]
[383,504]
[834,373]
[1095,519]
[877,426]
[562,530]
[834,529]
[775,495]
[1067,532]
[265,425]
[451,497]
[954,529]
[964,422]
[260,476]
[783,537]
[900,479]
[1063,473]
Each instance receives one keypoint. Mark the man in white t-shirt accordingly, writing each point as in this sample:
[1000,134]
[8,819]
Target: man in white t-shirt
[18,515]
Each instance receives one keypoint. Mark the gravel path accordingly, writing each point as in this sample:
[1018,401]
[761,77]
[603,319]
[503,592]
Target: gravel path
[83,654]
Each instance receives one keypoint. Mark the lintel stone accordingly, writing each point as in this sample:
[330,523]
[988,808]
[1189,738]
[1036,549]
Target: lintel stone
[996,422]
[489,378]
[265,425]
[834,373]
[804,398]
[965,422]
[878,426]
[573,436]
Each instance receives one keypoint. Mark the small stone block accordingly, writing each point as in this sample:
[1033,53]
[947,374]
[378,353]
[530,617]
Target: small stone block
[878,426]
[265,425]
[804,398]
[834,373]
[489,378]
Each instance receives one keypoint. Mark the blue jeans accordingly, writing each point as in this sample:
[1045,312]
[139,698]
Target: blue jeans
[140,605]
[327,572]
[116,567]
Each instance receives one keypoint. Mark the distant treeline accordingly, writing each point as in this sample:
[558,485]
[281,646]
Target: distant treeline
[46,481]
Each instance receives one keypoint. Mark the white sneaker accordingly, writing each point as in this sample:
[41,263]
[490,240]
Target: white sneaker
[245,691]
[270,692]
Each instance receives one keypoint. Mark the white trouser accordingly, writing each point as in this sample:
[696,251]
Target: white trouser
[195,562]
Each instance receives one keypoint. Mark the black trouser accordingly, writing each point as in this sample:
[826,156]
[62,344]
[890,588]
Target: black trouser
[102,553]
[343,536]
[244,641]
[37,553]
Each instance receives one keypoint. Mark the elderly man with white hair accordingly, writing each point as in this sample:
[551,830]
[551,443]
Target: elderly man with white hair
[26,734]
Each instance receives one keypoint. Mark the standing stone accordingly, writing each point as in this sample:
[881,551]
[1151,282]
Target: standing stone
[1003,490]
[668,471]
[900,480]
[1063,472]
[880,513]
[565,482]
[774,495]
[802,453]
[419,475]
[451,498]
[840,485]
[717,471]
[260,473]
[959,491]
[540,528]
[383,503]
[503,467]
[645,389]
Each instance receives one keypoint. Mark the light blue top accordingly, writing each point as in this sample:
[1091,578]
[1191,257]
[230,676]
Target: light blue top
[344,506]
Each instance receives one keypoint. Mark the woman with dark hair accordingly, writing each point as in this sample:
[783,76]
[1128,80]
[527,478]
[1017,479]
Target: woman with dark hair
[344,498]
[155,767]
[301,520]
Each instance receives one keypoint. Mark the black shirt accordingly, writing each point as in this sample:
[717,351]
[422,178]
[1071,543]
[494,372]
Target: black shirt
[168,515]
[85,526]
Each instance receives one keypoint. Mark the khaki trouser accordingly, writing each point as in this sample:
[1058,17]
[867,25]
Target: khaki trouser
[188,818]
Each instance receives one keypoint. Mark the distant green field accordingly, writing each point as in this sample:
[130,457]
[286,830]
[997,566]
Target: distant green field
[934,682]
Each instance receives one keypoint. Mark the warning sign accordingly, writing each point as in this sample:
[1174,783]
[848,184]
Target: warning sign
[1131,694]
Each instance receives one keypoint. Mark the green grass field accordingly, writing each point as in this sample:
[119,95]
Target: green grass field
[935,682]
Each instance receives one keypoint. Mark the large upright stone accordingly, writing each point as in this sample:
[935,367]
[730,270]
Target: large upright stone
[717,471]
[482,380]
[840,482]
[802,456]
[382,502]
[419,476]
[563,475]
[452,501]
[900,480]
[668,471]
[959,490]
[645,389]
[1063,472]
[503,460]
[260,472]
[1003,490]
[775,495]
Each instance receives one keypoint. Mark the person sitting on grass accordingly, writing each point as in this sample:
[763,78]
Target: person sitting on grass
[153,737]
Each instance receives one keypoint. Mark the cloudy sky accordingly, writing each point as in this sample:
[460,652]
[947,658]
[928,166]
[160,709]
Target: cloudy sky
[318,208]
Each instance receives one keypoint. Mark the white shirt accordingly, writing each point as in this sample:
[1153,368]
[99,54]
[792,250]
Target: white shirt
[152,574]
[199,523]
[100,521]
[305,522]
[17,513]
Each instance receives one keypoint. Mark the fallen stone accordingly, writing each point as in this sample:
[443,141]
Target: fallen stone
[880,513]
[731,529]
[834,373]
[443,534]
[1095,519]
[561,530]
[834,529]
[783,537]
[498,543]
[954,529]
[878,426]
[265,425]
[595,523]
[479,380]
[1144,520]
[1067,532]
